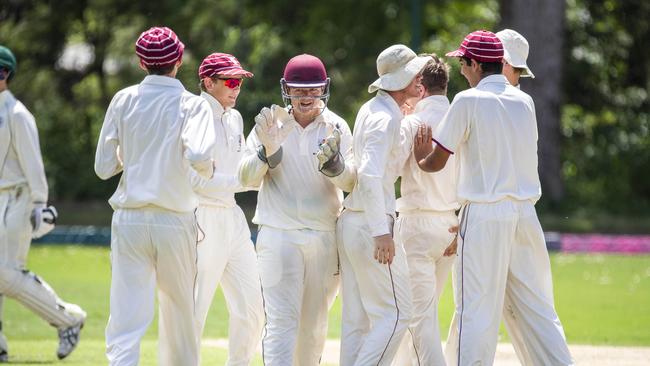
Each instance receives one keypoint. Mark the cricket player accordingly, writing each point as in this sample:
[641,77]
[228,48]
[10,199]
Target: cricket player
[226,254]
[153,134]
[502,252]
[23,203]
[297,208]
[375,284]
[426,213]
[515,53]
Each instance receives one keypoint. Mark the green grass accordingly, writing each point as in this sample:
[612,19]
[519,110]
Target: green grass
[600,299]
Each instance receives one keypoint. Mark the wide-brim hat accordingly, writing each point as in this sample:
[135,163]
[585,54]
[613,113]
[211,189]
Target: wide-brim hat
[515,50]
[222,64]
[397,66]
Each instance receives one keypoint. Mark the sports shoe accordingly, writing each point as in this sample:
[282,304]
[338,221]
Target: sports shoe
[4,356]
[68,339]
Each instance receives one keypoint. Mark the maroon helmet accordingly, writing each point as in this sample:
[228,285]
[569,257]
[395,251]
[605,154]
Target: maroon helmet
[305,71]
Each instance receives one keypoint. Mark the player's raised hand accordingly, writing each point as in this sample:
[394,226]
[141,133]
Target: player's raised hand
[272,126]
[384,249]
[422,143]
[329,149]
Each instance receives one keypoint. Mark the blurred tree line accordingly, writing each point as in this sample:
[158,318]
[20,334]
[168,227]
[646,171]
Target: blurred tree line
[73,55]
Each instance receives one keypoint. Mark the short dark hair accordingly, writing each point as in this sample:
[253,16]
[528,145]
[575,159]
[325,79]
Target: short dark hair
[151,70]
[202,85]
[435,75]
[488,68]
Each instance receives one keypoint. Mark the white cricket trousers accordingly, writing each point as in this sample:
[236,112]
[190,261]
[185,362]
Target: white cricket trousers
[227,257]
[299,273]
[376,297]
[425,236]
[503,261]
[153,247]
[15,281]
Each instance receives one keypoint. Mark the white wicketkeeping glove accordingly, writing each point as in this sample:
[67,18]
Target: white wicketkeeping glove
[272,126]
[330,161]
[43,219]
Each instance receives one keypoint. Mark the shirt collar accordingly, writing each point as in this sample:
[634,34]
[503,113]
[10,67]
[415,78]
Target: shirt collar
[494,78]
[217,108]
[433,101]
[162,81]
[318,120]
[389,102]
[4,95]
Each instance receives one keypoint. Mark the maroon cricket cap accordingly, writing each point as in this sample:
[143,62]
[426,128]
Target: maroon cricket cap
[482,46]
[159,47]
[221,64]
[305,71]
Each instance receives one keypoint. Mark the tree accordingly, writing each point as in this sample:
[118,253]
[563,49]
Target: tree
[542,23]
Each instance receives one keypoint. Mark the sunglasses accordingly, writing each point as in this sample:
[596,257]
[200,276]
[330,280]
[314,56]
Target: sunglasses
[232,83]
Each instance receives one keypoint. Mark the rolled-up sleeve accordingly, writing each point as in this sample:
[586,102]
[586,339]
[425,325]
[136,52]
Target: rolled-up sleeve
[199,138]
[25,135]
[107,162]
[454,127]
[374,159]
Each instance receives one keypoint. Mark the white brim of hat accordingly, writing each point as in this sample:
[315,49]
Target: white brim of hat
[307,84]
[401,78]
[518,63]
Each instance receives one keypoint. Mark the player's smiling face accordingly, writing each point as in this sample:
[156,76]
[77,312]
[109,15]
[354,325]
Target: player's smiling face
[306,102]
[224,89]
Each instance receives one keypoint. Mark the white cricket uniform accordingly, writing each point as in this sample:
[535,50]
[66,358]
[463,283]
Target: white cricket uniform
[154,133]
[426,212]
[376,297]
[226,253]
[501,247]
[22,185]
[297,208]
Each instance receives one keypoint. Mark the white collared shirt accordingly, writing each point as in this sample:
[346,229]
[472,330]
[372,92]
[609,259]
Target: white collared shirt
[295,195]
[422,191]
[20,153]
[493,130]
[152,133]
[229,150]
[377,158]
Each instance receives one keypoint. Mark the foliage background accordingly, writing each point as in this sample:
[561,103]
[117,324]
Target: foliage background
[604,119]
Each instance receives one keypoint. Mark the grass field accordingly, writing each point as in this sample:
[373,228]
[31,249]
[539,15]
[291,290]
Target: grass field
[600,299]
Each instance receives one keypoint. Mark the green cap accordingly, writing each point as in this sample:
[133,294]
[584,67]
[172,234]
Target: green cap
[8,61]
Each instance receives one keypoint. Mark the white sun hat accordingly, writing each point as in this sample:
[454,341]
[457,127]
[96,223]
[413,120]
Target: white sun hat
[397,66]
[515,50]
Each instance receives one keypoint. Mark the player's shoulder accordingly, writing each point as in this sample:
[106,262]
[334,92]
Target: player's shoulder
[193,101]
[20,113]
[520,93]
[411,123]
[412,120]
[467,96]
[125,94]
